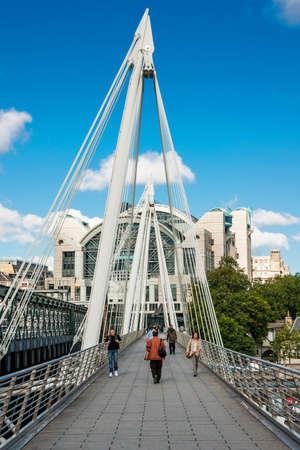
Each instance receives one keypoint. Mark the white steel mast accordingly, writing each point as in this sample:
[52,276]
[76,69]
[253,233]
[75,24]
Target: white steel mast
[141,62]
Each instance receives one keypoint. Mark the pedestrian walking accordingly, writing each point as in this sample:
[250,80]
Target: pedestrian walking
[171,338]
[193,350]
[156,353]
[113,340]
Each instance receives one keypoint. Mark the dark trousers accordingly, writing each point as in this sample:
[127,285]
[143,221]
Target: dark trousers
[172,347]
[113,360]
[155,367]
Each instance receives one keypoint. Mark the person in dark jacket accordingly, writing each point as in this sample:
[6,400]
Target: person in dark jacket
[171,338]
[156,361]
[113,342]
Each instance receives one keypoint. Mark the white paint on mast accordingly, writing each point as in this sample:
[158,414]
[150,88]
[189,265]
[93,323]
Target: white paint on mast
[114,198]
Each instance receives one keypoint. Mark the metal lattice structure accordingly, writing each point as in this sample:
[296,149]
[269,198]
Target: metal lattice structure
[44,317]
[46,330]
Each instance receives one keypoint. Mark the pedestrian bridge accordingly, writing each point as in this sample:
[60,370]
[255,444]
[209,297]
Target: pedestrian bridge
[83,408]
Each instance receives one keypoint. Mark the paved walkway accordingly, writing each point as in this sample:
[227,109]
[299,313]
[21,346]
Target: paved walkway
[130,412]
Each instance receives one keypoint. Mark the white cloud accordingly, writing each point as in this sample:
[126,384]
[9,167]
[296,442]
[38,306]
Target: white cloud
[12,127]
[263,217]
[150,168]
[289,11]
[230,203]
[49,262]
[267,239]
[91,221]
[15,227]
[296,237]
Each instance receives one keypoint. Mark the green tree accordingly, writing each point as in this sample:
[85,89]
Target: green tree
[286,345]
[234,298]
[243,310]
[252,312]
[228,278]
[282,294]
[235,336]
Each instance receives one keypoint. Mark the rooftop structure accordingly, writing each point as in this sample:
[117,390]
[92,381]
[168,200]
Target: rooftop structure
[266,268]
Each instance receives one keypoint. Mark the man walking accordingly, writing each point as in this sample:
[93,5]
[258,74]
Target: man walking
[156,361]
[171,338]
[113,342]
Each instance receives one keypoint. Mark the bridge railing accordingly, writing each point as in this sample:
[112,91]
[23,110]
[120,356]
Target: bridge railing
[43,317]
[271,388]
[26,397]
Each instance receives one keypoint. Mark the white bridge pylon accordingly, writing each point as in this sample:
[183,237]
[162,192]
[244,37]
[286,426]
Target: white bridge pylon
[201,315]
[198,309]
[134,313]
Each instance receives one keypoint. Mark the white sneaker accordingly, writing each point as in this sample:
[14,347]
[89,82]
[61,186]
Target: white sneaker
[116,373]
[110,374]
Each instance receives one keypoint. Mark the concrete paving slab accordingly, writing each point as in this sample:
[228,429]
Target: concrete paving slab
[130,412]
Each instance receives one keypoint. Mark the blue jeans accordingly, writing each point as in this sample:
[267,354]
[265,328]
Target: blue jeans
[113,360]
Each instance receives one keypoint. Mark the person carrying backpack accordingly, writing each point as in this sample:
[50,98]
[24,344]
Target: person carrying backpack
[156,353]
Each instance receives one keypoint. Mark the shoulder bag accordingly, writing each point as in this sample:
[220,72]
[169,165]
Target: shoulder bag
[161,351]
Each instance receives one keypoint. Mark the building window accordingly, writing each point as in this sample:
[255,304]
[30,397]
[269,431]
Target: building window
[156,292]
[147,293]
[88,293]
[174,292]
[77,293]
[68,264]
[177,306]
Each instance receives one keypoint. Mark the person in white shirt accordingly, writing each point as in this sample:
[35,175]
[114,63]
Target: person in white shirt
[193,351]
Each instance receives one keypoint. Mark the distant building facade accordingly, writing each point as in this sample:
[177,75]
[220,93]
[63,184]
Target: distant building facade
[266,268]
[76,249]
[9,267]
[231,235]
[242,229]
[218,222]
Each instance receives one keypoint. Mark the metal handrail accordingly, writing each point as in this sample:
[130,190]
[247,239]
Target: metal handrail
[271,388]
[26,396]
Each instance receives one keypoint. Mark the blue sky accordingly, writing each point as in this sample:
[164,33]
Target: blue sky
[229,73]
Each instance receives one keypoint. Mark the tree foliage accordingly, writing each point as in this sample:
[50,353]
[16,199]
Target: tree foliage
[234,335]
[235,302]
[243,310]
[282,294]
[286,345]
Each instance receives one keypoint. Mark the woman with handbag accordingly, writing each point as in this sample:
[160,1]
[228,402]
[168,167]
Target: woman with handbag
[156,353]
[193,351]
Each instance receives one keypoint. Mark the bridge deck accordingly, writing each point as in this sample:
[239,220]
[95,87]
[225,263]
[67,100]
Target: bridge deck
[182,412]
